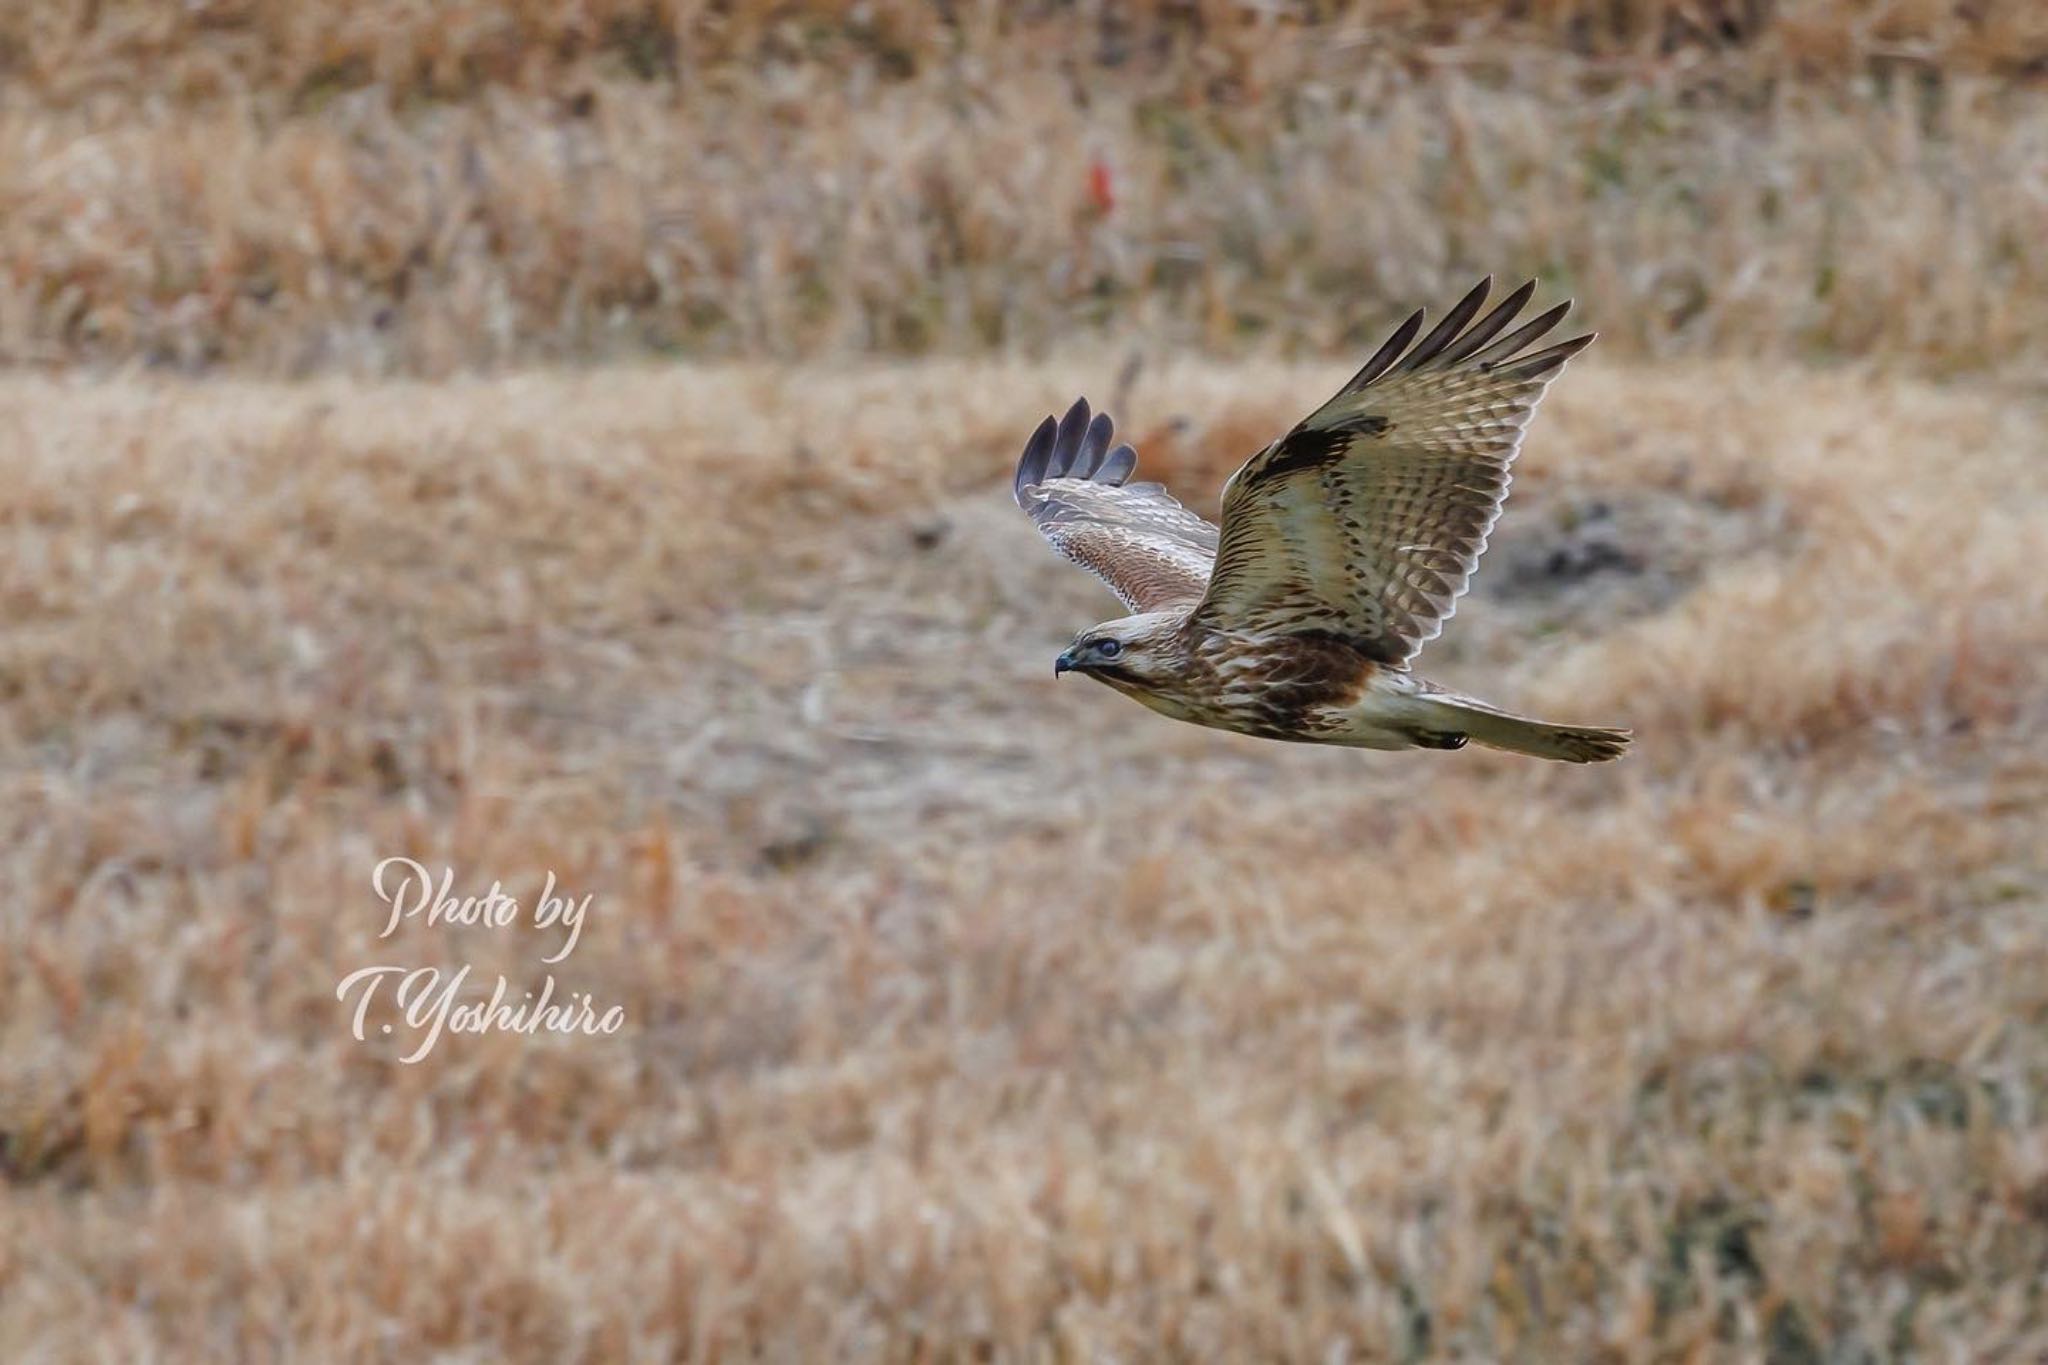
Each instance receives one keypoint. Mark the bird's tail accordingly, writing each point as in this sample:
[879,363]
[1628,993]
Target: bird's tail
[1450,719]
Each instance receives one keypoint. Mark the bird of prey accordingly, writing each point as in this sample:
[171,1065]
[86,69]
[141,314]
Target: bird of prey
[1344,548]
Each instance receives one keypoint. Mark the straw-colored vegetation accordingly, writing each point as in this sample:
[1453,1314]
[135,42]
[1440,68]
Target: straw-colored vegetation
[418,187]
[976,1013]
[973,1015]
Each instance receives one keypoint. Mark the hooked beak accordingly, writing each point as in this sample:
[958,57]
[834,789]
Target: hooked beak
[1063,664]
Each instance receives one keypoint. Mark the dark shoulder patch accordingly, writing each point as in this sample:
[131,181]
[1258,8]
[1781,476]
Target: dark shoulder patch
[1374,649]
[1304,450]
[1312,448]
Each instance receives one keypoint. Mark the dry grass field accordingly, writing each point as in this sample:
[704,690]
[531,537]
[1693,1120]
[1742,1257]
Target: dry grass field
[972,1015]
[390,186]
[975,1015]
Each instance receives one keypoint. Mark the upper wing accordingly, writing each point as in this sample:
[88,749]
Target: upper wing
[1366,521]
[1149,549]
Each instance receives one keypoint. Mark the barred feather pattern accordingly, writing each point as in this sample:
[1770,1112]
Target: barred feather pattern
[1143,544]
[1368,519]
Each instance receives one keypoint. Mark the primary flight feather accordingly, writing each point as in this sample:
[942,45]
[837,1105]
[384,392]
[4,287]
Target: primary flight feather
[1344,548]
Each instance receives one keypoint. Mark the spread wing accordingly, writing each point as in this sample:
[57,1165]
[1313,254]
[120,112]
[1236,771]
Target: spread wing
[1366,521]
[1150,550]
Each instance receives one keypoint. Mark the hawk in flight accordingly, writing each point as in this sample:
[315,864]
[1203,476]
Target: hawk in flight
[1344,548]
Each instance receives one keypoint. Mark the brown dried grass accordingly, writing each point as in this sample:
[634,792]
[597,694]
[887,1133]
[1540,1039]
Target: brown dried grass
[285,50]
[399,187]
[976,1016]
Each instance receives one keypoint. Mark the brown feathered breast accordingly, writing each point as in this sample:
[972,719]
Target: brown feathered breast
[1276,687]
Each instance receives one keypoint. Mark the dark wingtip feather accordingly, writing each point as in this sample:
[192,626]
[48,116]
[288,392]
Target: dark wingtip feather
[1488,327]
[1094,445]
[1389,351]
[1446,331]
[1117,466]
[1503,353]
[1549,360]
[1067,449]
[1076,446]
[1037,455]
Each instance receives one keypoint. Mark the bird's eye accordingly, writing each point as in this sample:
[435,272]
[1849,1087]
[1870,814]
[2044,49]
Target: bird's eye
[1109,649]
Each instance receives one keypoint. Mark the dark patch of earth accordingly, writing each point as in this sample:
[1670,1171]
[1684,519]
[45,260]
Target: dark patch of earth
[1581,561]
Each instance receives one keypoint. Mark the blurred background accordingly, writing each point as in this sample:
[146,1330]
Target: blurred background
[573,438]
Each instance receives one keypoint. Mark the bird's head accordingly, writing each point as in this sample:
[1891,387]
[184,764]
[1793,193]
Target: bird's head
[1136,653]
